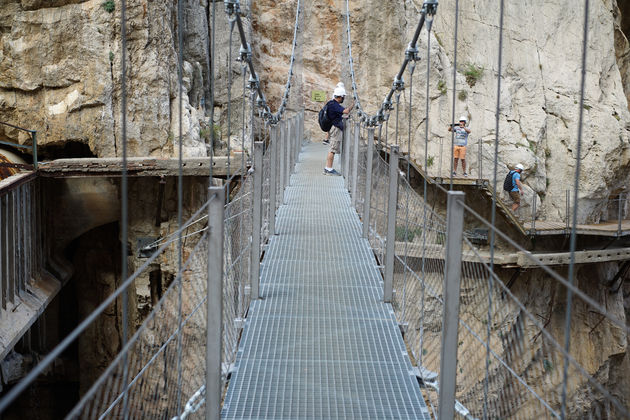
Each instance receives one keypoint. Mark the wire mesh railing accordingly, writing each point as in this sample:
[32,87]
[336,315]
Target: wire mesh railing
[510,360]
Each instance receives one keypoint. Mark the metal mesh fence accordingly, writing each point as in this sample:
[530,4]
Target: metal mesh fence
[510,353]
[160,349]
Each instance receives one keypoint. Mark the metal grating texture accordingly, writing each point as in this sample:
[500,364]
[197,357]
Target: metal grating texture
[321,344]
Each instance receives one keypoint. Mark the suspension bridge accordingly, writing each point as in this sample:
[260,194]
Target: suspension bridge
[314,296]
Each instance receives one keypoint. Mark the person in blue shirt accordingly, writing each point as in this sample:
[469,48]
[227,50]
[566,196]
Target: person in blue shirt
[336,113]
[517,187]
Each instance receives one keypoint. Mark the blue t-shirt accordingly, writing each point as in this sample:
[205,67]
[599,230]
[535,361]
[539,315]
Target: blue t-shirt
[335,113]
[461,136]
[515,176]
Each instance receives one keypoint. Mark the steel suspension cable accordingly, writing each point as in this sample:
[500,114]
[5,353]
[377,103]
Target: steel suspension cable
[124,197]
[211,84]
[429,8]
[180,195]
[454,91]
[576,185]
[493,210]
[425,186]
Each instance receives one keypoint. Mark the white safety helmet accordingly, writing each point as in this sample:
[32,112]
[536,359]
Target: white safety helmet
[339,91]
[520,167]
[463,118]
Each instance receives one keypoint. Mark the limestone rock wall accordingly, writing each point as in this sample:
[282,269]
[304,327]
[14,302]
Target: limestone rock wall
[60,74]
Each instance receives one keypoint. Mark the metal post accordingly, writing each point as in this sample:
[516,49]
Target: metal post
[450,319]
[214,313]
[34,137]
[620,214]
[568,201]
[345,150]
[390,241]
[272,179]
[10,244]
[281,160]
[533,228]
[254,278]
[355,165]
[368,184]
[289,149]
[3,226]
[480,159]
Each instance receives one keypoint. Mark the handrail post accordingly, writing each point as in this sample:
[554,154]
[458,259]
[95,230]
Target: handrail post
[451,291]
[533,227]
[288,168]
[368,184]
[214,302]
[345,149]
[620,214]
[390,241]
[254,277]
[34,137]
[273,141]
[281,159]
[355,165]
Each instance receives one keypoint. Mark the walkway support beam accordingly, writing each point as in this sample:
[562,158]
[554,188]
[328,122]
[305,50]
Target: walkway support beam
[368,184]
[214,320]
[450,316]
[254,276]
[390,242]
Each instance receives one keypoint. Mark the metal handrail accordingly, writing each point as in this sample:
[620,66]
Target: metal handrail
[33,147]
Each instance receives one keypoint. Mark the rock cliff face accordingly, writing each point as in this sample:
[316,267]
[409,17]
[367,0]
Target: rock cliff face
[539,95]
[60,74]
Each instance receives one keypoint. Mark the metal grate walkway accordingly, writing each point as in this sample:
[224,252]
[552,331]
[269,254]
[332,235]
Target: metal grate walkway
[321,344]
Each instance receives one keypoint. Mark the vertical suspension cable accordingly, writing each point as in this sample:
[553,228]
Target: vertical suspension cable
[454,90]
[425,195]
[211,84]
[576,186]
[124,202]
[397,115]
[243,122]
[180,197]
[412,67]
[493,212]
[229,110]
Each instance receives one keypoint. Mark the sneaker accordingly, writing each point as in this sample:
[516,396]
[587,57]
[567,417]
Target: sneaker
[331,172]
[326,141]
[454,173]
[465,174]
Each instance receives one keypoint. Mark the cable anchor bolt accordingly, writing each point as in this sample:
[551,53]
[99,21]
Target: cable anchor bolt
[245,53]
[253,83]
[398,85]
[411,53]
[431,7]
[232,7]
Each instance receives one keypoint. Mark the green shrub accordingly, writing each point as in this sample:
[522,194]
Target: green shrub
[440,238]
[109,6]
[462,95]
[442,87]
[473,74]
[111,57]
[407,235]
[430,160]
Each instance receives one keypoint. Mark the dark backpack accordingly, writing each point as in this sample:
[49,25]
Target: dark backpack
[325,123]
[508,184]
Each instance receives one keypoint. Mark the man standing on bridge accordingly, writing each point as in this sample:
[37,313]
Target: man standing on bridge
[461,140]
[335,114]
[517,187]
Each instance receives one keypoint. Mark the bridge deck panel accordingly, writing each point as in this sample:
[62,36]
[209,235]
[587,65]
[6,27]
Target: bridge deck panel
[321,344]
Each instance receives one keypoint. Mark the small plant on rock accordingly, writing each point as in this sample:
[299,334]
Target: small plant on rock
[473,73]
[442,87]
[462,95]
[109,6]
[430,160]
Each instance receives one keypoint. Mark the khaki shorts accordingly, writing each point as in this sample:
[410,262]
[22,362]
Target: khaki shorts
[515,196]
[459,152]
[335,140]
